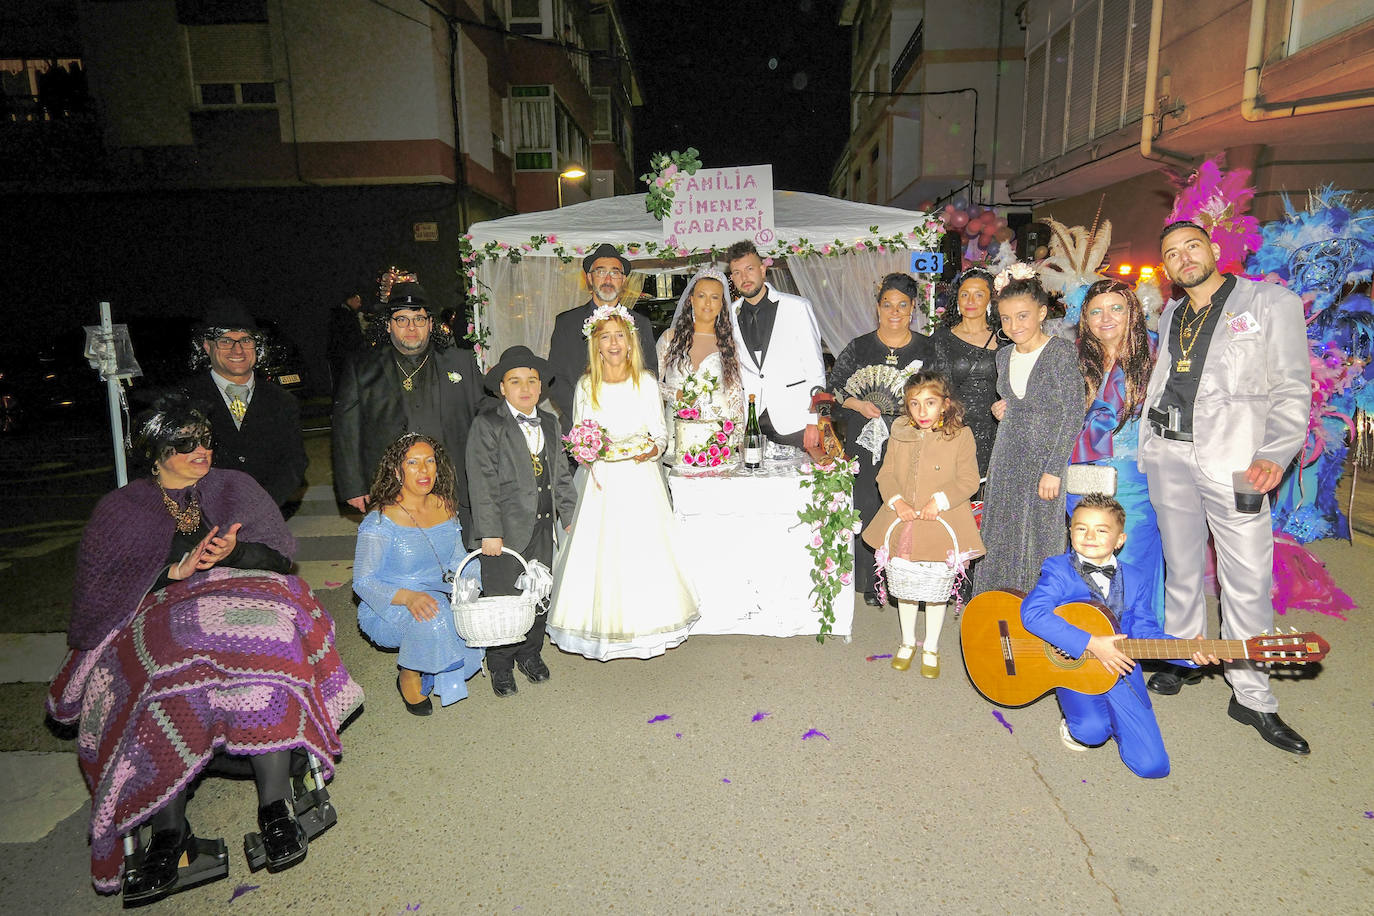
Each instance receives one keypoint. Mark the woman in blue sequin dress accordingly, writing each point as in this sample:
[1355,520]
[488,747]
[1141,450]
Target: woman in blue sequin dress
[409,548]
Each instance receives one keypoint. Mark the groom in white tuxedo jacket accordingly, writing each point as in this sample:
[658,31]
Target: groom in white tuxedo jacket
[779,350]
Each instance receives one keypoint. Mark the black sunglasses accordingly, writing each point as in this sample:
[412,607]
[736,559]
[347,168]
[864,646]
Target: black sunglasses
[185,445]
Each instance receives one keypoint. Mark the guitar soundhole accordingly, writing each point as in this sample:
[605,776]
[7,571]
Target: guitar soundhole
[1060,660]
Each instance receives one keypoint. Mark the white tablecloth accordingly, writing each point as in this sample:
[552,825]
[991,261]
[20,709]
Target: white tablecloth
[747,551]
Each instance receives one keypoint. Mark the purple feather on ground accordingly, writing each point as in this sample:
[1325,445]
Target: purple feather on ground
[874,658]
[725,780]
[678,735]
[659,718]
[760,716]
[243,889]
[1369,814]
[1005,724]
[815,734]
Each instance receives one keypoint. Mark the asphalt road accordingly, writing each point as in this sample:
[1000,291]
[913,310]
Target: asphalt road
[577,797]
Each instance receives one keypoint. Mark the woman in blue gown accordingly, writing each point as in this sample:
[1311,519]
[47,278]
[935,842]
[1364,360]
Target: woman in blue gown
[1116,356]
[409,548]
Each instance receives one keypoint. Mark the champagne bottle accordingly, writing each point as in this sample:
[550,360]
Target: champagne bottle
[753,439]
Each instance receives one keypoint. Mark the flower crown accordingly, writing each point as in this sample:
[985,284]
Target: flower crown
[1017,271]
[603,312]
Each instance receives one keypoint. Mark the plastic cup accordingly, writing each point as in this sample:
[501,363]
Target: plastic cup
[1248,499]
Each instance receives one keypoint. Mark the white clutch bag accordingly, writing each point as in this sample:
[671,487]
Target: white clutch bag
[1082,479]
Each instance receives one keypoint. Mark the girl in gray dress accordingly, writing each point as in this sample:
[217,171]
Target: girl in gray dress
[1041,414]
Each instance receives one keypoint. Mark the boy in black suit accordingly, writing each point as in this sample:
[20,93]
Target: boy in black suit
[517,479]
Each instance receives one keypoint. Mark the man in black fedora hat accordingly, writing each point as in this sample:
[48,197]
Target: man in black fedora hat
[519,481]
[412,382]
[606,270]
[256,423]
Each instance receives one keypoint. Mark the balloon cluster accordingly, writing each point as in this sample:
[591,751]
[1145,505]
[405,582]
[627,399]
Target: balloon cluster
[984,231]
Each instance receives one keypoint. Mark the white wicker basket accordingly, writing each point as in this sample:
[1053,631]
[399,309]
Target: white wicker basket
[498,620]
[920,580]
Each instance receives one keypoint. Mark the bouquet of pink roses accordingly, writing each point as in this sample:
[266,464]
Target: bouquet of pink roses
[586,442]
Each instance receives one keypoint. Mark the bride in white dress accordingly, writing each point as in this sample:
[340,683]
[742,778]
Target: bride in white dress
[702,339]
[618,591]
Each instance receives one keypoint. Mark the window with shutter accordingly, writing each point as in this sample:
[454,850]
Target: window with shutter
[1082,75]
[231,64]
[1034,109]
[1111,66]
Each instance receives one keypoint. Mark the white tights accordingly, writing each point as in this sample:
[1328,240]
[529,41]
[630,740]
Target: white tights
[935,621]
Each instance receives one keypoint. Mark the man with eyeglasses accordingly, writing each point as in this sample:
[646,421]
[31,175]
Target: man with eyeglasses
[414,382]
[257,423]
[606,271]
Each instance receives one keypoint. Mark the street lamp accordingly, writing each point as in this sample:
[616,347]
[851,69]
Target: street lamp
[572,172]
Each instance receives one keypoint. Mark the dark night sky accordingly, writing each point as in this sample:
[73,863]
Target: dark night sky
[704,68]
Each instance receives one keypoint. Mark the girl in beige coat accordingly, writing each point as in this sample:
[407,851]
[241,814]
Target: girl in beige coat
[929,472]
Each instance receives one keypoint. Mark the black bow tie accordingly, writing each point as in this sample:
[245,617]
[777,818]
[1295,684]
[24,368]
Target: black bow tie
[528,421]
[1108,571]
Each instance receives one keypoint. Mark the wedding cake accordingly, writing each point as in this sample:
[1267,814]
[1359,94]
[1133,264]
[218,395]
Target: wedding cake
[707,443]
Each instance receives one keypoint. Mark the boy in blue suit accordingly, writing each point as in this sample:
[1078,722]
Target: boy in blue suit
[1090,571]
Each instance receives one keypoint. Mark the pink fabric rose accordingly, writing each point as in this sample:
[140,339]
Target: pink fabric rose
[720,437]
[728,426]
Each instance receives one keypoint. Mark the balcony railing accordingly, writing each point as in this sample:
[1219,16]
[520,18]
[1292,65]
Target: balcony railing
[907,59]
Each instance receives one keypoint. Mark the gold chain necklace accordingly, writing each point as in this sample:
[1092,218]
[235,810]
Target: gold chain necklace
[891,358]
[406,382]
[1184,363]
[188,519]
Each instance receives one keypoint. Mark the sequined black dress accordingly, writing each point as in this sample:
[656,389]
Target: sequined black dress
[973,373]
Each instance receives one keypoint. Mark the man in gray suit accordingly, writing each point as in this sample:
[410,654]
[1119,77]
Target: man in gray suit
[1229,393]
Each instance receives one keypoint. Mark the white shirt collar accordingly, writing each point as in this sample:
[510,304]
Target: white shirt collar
[223,383]
[533,415]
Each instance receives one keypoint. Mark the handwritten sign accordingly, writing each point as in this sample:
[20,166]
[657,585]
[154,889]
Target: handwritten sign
[927,262]
[716,207]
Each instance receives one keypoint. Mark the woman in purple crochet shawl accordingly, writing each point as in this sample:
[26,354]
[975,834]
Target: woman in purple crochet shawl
[190,640]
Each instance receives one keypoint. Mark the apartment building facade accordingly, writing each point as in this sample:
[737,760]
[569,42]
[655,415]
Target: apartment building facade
[936,93]
[1120,92]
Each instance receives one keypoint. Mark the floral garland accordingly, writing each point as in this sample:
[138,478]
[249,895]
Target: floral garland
[602,313]
[834,521]
[717,449]
[924,237]
[667,171]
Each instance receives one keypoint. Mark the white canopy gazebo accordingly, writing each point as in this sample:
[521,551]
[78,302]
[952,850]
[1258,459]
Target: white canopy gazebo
[524,269]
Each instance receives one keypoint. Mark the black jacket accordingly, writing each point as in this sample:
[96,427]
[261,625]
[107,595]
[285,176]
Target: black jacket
[268,446]
[502,478]
[369,416]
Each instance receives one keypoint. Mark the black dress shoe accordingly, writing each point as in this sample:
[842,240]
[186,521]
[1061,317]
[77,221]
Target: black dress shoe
[422,708]
[503,683]
[534,669]
[282,835]
[1271,728]
[1170,679]
[156,876]
[871,599]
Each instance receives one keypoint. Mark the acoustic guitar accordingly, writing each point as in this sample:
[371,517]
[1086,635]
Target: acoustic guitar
[1012,667]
